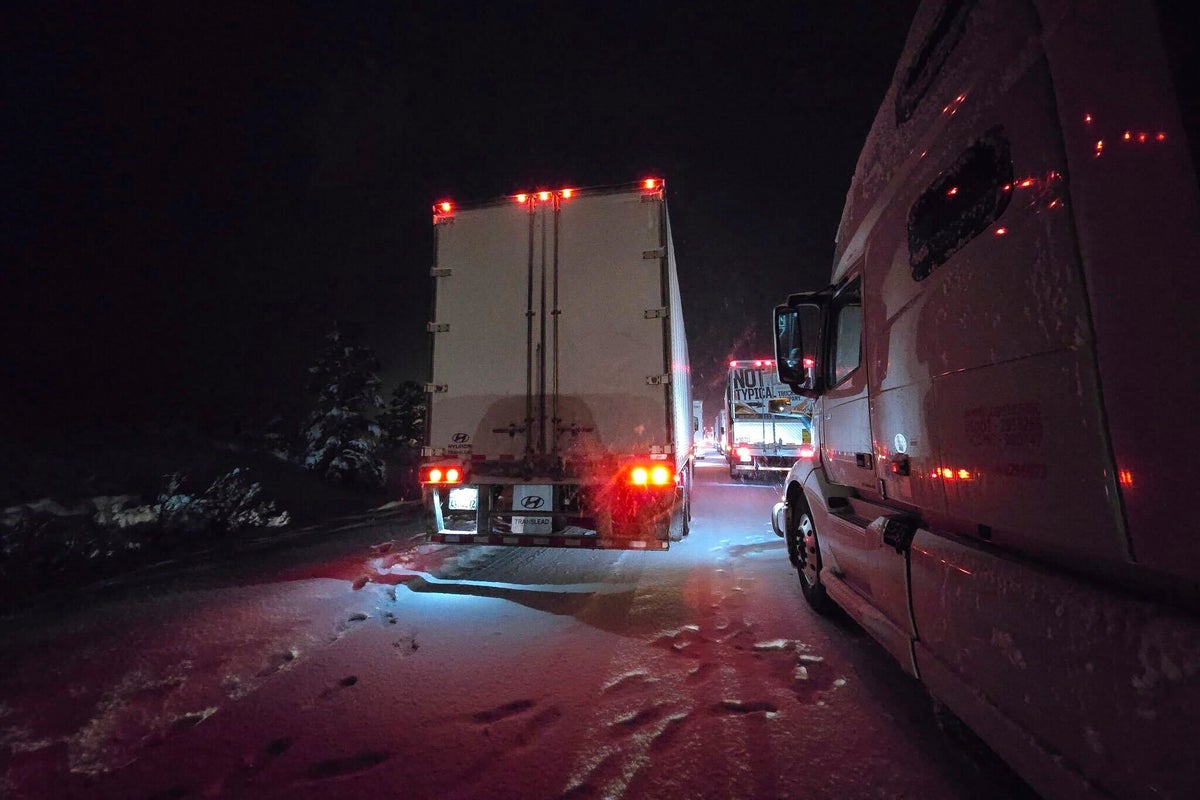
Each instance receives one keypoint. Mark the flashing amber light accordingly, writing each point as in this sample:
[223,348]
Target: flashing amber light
[521,198]
[1125,477]
[650,183]
[1001,231]
[566,193]
[543,196]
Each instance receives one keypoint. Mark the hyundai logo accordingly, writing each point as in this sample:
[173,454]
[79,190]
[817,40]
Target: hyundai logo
[462,438]
[532,502]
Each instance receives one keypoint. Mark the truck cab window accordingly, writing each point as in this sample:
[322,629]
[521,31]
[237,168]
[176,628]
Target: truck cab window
[847,334]
[951,22]
[960,204]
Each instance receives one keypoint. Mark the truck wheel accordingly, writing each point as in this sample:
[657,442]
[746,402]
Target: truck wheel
[802,544]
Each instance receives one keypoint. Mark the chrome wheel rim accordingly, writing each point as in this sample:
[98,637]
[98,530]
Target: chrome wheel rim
[808,549]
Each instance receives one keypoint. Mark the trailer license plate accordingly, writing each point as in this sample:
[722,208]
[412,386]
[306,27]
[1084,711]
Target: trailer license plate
[464,498]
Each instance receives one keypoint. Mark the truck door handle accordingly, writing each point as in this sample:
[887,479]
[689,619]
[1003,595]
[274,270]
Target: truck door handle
[864,460]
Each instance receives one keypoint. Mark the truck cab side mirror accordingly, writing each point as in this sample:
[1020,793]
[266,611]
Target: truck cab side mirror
[797,342]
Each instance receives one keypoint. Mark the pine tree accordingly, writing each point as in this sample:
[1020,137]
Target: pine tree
[341,441]
[403,421]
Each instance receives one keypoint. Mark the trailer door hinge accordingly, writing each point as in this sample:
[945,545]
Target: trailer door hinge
[657,252]
[437,388]
[658,380]
[438,327]
[440,272]
[655,313]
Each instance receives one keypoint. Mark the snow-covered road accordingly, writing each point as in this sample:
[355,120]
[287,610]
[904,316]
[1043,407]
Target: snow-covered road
[343,669]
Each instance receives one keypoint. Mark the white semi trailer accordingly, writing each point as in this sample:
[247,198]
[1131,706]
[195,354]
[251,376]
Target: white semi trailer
[560,409]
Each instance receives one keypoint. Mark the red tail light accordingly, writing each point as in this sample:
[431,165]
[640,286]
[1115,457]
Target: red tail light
[443,474]
[743,454]
[651,475]
[806,451]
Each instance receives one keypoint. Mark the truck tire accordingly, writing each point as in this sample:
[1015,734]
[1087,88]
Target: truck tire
[805,553]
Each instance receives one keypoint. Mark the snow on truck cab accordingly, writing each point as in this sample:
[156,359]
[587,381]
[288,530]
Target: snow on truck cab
[1000,495]
[560,410]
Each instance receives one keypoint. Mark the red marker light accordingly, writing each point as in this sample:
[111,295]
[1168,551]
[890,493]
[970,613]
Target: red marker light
[566,193]
[807,451]
[809,363]
[1162,137]
[953,190]
[1141,137]
[758,363]
[435,475]
[650,183]
[660,476]
[453,475]
[521,198]
[639,476]
[1099,147]
[1125,477]
[1025,184]
[1087,118]
[543,196]
[1127,136]
[445,206]
[732,364]
[1001,231]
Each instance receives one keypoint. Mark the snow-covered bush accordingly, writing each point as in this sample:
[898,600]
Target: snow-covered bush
[341,441]
[230,504]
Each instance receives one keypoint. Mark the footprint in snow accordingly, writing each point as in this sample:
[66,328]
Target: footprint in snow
[339,767]
[502,712]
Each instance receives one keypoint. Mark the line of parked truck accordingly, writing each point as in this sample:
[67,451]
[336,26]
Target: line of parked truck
[983,423]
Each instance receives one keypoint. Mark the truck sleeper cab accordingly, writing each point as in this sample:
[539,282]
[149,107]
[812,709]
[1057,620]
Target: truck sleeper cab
[1002,414]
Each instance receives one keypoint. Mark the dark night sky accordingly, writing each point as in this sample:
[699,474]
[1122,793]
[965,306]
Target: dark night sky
[196,192]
